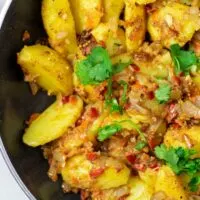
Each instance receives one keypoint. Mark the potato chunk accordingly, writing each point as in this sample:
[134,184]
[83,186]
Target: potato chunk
[84,174]
[139,190]
[135,25]
[87,14]
[112,10]
[47,68]
[173,23]
[185,137]
[170,184]
[53,122]
[59,24]
[144,2]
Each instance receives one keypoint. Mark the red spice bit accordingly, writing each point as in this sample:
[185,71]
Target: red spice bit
[32,118]
[94,173]
[153,142]
[176,125]
[94,113]
[149,9]
[102,43]
[72,99]
[176,80]
[92,156]
[26,36]
[150,95]
[84,195]
[131,158]
[154,165]
[127,105]
[139,167]
[65,99]
[135,68]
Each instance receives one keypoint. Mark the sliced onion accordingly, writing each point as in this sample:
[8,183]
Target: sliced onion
[190,110]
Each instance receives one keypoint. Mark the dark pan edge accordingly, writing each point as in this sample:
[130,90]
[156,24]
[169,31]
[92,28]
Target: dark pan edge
[14,173]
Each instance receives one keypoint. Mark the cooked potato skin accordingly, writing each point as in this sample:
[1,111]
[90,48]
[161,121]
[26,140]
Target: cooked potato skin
[77,173]
[87,14]
[135,19]
[59,24]
[173,23]
[53,122]
[47,68]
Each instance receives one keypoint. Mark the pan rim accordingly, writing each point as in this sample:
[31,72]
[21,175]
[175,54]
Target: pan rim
[3,151]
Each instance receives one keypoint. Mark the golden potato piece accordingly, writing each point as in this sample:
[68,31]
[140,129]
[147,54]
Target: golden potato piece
[112,10]
[59,24]
[173,23]
[185,137]
[170,184]
[87,14]
[47,68]
[78,173]
[114,40]
[135,19]
[53,122]
[139,190]
[144,2]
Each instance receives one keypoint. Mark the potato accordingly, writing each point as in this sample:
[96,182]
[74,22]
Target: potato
[77,173]
[135,19]
[139,190]
[87,14]
[144,2]
[59,24]
[173,23]
[114,40]
[53,122]
[182,137]
[149,176]
[112,10]
[47,68]
[170,184]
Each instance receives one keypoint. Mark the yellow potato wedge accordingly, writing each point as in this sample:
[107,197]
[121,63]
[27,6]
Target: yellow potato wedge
[173,23]
[59,24]
[77,173]
[144,2]
[170,184]
[112,10]
[135,19]
[53,122]
[183,137]
[87,14]
[47,68]
[139,190]
[115,41]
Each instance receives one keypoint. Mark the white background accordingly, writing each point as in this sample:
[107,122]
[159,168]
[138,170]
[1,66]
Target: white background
[9,189]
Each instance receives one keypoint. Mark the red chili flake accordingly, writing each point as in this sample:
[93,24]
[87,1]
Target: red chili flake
[153,165]
[94,113]
[65,99]
[92,156]
[94,173]
[150,95]
[127,105]
[139,167]
[135,68]
[73,99]
[131,158]
[32,118]
[176,80]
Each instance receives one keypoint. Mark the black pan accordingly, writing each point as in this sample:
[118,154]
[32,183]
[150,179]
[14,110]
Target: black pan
[17,104]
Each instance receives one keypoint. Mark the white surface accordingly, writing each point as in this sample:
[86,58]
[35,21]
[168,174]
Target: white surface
[9,189]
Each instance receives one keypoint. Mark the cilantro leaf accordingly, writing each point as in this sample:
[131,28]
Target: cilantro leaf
[117,68]
[114,105]
[125,85]
[96,68]
[107,131]
[183,60]
[162,94]
[194,183]
[140,145]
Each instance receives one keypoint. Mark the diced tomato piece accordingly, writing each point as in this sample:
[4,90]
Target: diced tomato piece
[65,99]
[92,156]
[94,173]
[131,158]
[94,113]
